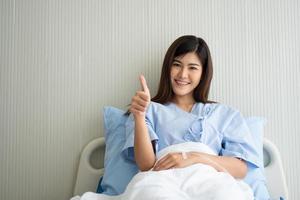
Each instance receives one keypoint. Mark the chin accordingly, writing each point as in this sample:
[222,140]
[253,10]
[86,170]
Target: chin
[181,93]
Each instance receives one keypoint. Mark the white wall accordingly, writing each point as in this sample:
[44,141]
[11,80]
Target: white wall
[62,61]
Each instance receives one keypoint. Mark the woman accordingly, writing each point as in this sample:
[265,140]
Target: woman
[183,93]
[183,137]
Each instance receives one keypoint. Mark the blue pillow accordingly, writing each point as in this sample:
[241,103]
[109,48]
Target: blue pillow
[118,171]
[255,176]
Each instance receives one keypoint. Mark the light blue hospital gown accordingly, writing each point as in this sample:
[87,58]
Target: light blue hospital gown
[220,127]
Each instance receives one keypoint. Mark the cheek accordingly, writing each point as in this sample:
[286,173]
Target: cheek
[197,77]
[173,73]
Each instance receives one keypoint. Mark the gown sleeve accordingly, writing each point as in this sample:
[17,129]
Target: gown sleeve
[238,141]
[128,150]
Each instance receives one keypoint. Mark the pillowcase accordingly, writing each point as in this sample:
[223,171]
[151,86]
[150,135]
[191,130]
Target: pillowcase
[255,176]
[118,170]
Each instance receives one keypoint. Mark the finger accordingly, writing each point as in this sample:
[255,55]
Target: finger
[162,160]
[138,100]
[144,84]
[166,165]
[143,95]
[138,107]
[135,111]
[166,159]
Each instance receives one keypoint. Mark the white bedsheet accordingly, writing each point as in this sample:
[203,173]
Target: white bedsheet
[195,182]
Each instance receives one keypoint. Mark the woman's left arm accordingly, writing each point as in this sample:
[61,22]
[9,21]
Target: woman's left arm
[234,166]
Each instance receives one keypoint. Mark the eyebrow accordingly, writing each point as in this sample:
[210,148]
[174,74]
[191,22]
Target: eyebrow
[175,60]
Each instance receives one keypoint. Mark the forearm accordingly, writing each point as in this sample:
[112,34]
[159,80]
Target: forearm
[143,150]
[237,168]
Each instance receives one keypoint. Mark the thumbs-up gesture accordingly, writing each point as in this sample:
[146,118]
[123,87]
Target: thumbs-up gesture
[141,99]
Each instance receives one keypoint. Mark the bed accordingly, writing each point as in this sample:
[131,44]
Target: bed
[88,174]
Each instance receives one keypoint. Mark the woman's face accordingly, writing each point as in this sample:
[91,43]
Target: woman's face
[186,73]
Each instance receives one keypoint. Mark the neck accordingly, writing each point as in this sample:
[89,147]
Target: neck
[186,103]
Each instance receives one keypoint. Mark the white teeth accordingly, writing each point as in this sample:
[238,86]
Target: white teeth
[181,82]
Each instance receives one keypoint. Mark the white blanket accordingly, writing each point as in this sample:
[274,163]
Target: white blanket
[195,182]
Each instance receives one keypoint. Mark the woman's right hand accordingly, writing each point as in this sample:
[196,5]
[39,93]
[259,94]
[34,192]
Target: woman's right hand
[141,100]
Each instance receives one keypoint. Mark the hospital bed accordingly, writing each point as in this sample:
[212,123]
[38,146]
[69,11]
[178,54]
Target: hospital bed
[88,175]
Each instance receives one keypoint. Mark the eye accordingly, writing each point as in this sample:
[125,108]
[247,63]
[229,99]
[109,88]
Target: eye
[176,64]
[194,68]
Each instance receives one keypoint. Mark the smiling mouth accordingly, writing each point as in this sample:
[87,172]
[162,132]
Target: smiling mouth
[181,83]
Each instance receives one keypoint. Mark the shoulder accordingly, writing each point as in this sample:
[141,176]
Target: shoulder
[155,111]
[219,107]
[213,108]
[222,116]
[154,107]
[161,108]
[221,112]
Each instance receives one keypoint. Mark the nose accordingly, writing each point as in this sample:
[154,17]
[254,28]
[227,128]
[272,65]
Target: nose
[183,73]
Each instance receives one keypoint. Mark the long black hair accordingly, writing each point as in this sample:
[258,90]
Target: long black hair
[181,46]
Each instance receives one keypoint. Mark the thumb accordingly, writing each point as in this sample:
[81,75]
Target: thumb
[144,84]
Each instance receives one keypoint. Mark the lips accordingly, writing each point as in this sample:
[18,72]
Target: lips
[181,83]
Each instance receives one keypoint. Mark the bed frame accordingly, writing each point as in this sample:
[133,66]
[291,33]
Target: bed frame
[88,175]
